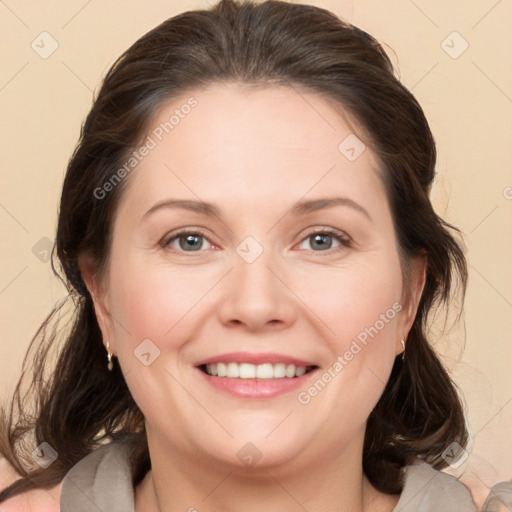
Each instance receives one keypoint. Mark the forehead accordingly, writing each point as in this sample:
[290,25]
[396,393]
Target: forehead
[252,146]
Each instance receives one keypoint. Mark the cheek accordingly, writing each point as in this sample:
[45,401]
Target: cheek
[361,306]
[157,303]
[363,309]
[359,309]
[351,300]
[151,300]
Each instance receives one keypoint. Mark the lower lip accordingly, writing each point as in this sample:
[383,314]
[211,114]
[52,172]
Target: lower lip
[256,388]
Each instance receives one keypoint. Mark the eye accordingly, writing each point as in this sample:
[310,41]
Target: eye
[188,241]
[322,240]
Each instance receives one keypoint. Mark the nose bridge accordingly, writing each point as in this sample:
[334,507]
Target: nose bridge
[253,278]
[256,296]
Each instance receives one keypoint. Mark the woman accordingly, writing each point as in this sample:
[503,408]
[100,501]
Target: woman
[245,226]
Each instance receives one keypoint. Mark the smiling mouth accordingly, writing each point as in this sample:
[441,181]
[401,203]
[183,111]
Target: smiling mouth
[255,371]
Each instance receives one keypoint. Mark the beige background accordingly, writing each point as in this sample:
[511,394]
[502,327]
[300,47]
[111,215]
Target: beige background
[468,101]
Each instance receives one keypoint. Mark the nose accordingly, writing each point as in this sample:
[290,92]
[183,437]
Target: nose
[256,296]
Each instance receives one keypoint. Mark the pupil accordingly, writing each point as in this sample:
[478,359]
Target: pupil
[191,242]
[321,239]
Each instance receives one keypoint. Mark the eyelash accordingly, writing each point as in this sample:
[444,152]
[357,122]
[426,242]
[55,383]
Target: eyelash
[344,240]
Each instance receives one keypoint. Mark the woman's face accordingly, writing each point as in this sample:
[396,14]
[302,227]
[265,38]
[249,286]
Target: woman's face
[245,286]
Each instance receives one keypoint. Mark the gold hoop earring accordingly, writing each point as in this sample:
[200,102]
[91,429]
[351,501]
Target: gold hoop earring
[110,364]
[403,345]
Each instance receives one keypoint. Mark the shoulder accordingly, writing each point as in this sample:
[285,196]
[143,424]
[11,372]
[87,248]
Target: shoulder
[428,489]
[112,457]
[37,500]
[499,498]
[103,478]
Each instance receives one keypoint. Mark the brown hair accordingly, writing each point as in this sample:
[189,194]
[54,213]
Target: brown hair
[78,402]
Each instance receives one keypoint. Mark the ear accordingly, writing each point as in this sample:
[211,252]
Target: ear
[417,279]
[99,298]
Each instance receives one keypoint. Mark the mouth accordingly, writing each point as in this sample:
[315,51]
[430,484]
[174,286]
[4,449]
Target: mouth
[258,376]
[264,371]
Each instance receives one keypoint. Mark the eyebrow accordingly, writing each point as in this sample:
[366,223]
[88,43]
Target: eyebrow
[298,210]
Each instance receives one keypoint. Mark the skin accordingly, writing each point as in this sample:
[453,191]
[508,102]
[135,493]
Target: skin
[254,154]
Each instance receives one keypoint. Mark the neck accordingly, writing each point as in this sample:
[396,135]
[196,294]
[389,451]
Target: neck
[334,483]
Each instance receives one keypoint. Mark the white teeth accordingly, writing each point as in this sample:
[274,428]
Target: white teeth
[301,370]
[260,371]
[279,370]
[232,370]
[247,371]
[222,370]
[264,371]
[290,371]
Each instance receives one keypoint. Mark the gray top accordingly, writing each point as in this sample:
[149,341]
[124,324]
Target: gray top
[102,482]
[500,498]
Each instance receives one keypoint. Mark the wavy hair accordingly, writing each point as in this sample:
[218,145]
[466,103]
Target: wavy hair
[67,397]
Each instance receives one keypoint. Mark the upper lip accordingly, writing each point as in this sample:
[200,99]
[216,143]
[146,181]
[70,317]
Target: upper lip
[254,358]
